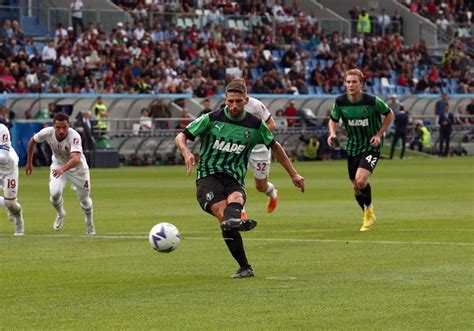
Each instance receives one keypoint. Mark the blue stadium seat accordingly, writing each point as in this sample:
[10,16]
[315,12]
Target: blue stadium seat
[360,59]
[276,54]
[388,90]
[454,83]
[400,89]
[376,90]
[49,69]
[255,73]
[30,49]
[393,75]
[322,63]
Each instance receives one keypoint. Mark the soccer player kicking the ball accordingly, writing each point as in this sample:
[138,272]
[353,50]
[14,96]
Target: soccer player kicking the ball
[227,139]
[260,158]
[361,114]
[68,163]
[9,178]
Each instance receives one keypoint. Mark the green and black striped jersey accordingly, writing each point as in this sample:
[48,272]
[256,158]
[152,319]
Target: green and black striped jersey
[226,143]
[362,121]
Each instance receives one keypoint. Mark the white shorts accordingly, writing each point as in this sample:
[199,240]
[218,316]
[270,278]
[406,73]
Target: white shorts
[80,180]
[9,182]
[260,161]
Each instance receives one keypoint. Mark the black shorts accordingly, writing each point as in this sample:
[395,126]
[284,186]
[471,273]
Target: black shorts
[215,188]
[367,160]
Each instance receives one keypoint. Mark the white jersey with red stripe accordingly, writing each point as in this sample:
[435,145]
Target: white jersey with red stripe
[8,156]
[260,158]
[257,108]
[62,149]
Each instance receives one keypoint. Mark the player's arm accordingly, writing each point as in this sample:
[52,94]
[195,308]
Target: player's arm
[375,140]
[72,163]
[189,160]
[271,124]
[332,126]
[29,157]
[194,129]
[5,146]
[280,155]
[4,154]
[334,118]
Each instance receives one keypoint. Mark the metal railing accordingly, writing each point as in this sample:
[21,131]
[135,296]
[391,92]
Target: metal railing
[132,125]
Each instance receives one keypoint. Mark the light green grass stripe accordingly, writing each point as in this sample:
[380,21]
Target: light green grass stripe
[383,242]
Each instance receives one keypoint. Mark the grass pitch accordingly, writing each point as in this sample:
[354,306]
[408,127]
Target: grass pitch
[315,270]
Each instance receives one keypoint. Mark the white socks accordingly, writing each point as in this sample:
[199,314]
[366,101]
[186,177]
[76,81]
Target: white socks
[271,191]
[59,206]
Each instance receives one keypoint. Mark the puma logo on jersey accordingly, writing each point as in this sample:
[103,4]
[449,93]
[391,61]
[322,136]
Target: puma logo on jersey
[228,147]
[364,122]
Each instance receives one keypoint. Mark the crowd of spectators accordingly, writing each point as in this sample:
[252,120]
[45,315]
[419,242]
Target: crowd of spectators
[453,18]
[160,56]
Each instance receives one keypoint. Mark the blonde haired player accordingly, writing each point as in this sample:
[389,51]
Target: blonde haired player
[68,163]
[260,158]
[9,179]
[366,118]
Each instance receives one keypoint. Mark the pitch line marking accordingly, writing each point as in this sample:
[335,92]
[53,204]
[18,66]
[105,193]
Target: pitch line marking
[295,240]
[318,230]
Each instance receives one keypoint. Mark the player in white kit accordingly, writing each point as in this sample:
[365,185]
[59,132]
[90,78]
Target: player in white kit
[9,180]
[260,158]
[68,163]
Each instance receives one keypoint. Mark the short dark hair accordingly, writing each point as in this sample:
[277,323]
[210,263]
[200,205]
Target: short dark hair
[237,85]
[60,116]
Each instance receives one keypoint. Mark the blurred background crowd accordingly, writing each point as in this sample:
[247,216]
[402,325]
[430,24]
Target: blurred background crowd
[284,51]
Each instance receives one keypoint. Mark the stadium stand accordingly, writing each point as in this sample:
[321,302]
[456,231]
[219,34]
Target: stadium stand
[135,146]
[180,48]
[158,54]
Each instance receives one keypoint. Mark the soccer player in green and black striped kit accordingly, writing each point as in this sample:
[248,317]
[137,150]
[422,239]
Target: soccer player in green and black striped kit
[227,139]
[361,114]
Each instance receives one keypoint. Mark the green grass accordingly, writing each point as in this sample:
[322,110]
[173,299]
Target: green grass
[315,270]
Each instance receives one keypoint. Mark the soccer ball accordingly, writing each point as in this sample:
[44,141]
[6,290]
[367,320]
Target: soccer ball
[164,237]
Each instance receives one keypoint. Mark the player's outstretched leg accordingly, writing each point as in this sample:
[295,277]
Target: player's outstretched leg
[87,207]
[272,194]
[15,214]
[360,200]
[369,215]
[57,203]
[244,272]
[234,242]
[233,219]
[369,219]
[244,215]
[89,220]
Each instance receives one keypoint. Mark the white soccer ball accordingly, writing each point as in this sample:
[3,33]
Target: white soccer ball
[164,237]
